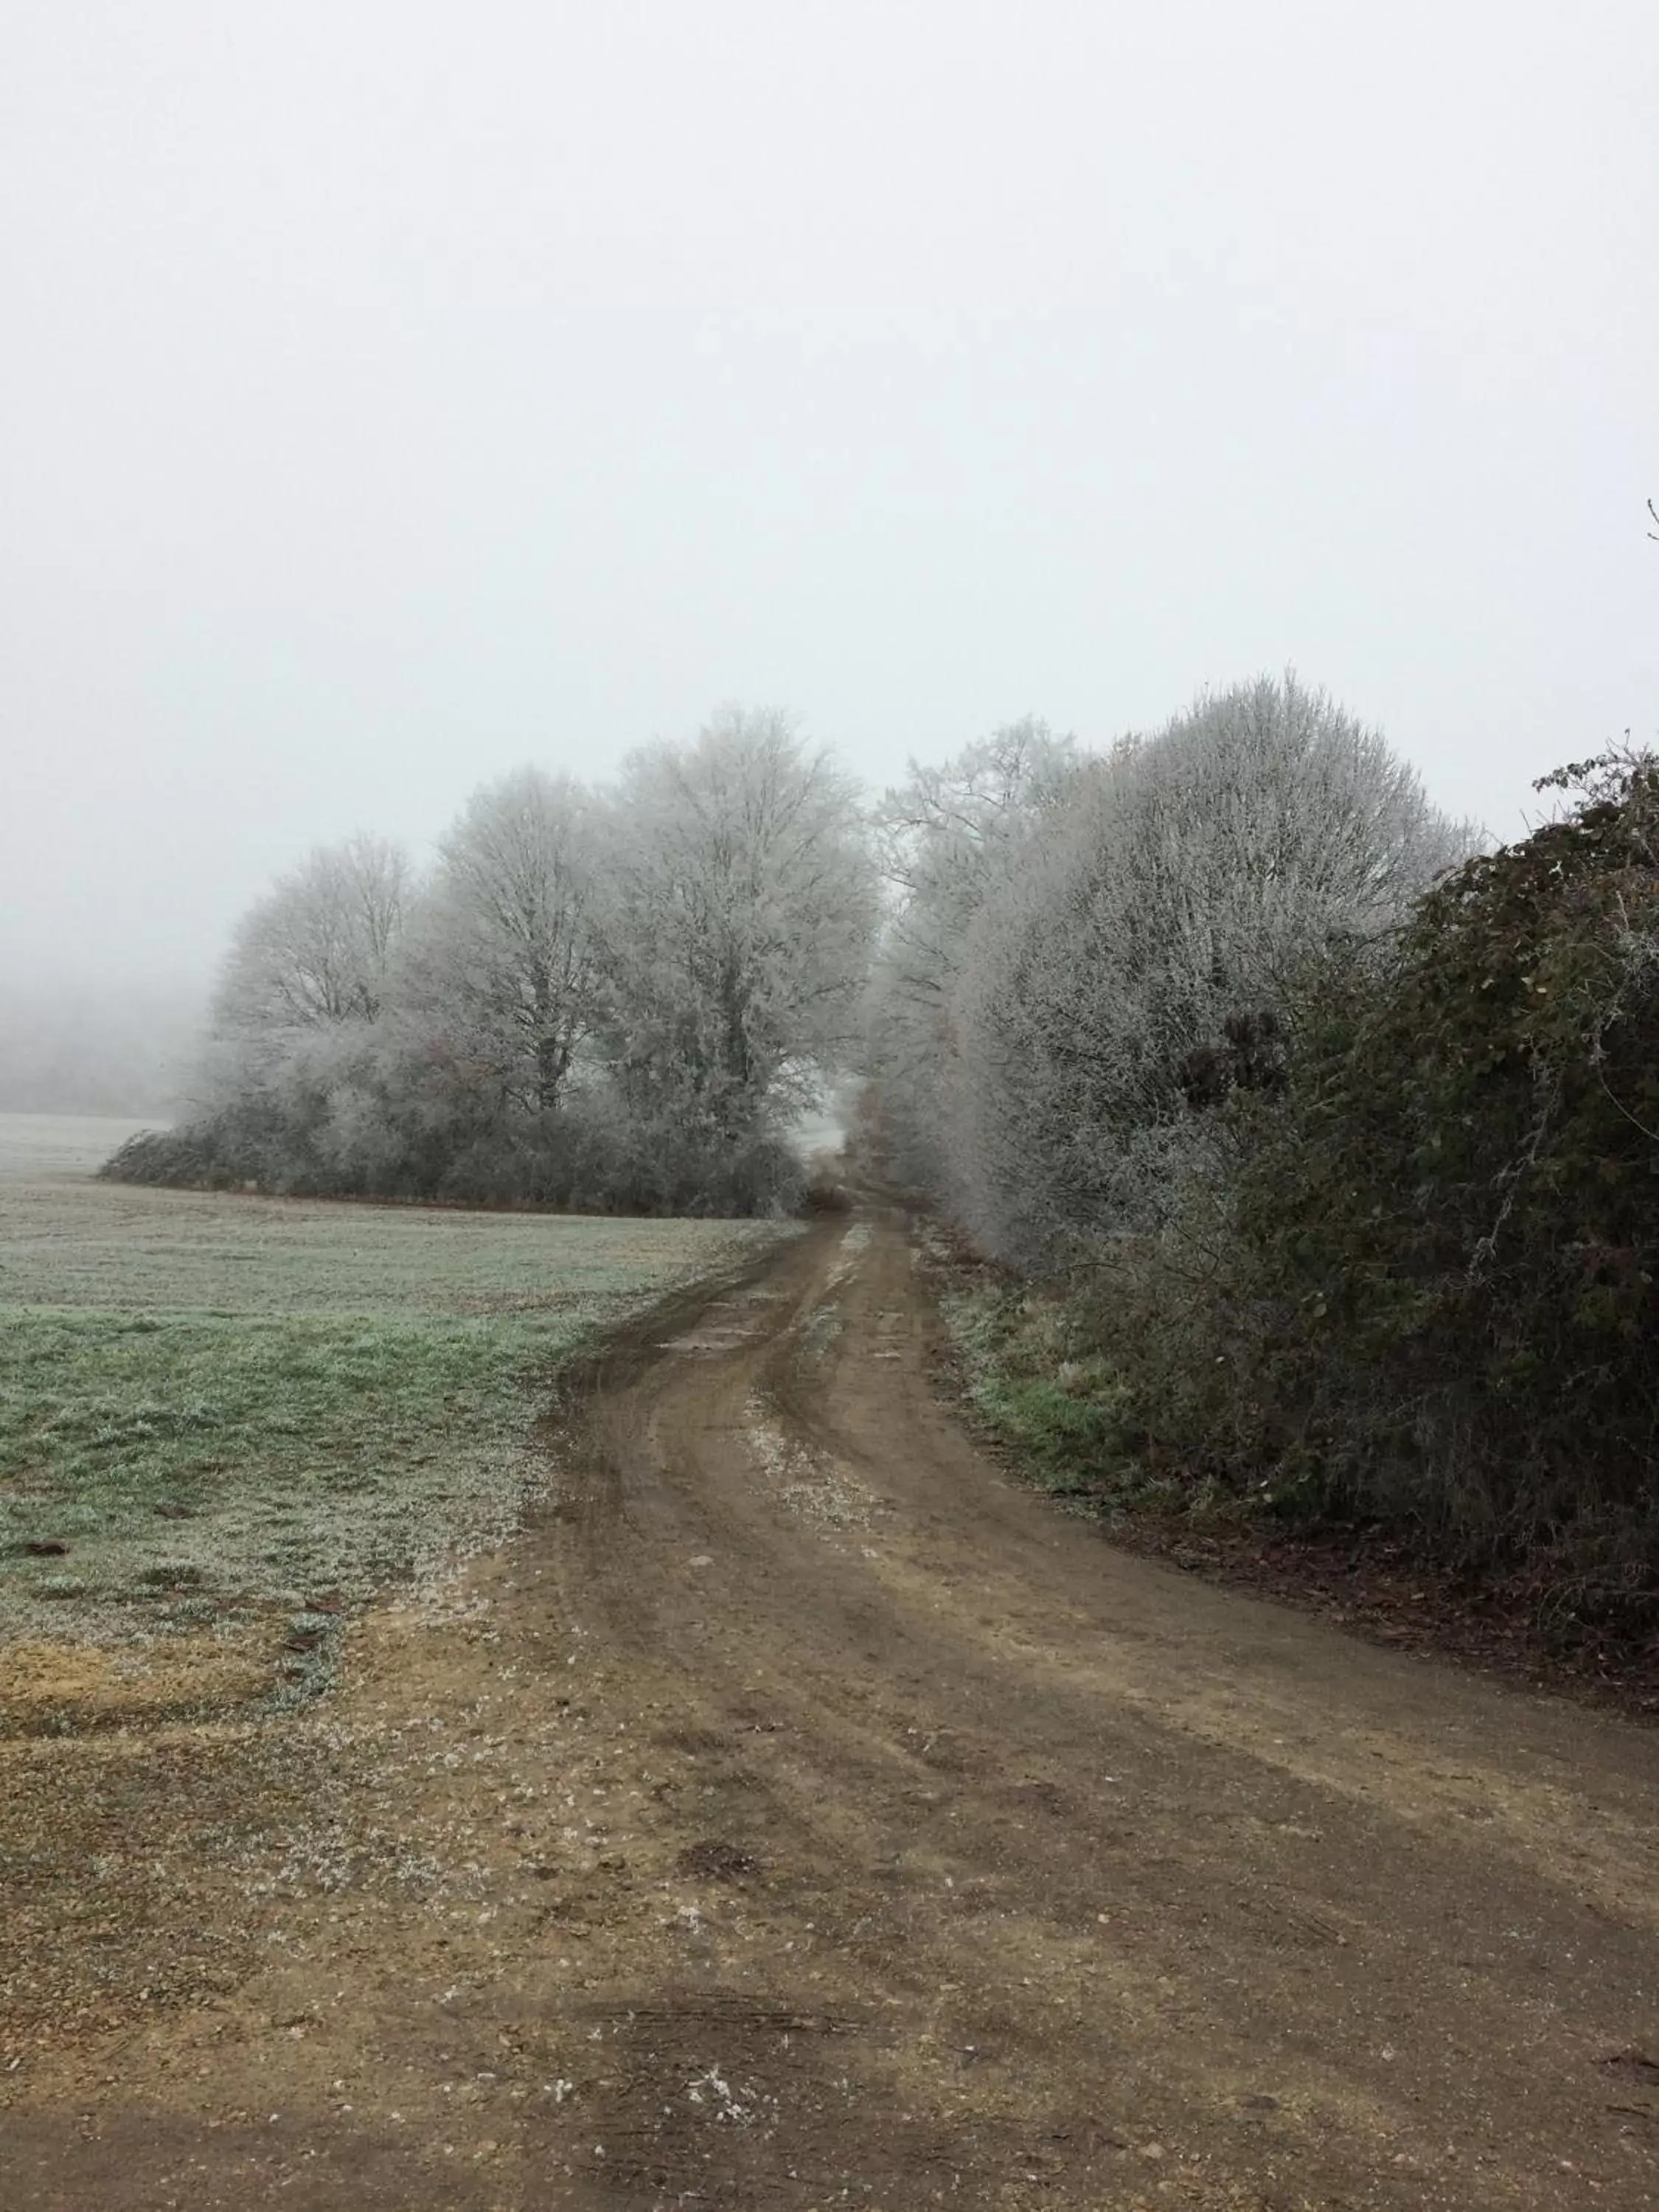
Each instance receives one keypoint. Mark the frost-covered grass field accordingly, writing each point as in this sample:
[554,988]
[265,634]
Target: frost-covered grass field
[214,1407]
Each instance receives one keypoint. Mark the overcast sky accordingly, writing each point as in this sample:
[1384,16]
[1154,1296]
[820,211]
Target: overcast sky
[397,391]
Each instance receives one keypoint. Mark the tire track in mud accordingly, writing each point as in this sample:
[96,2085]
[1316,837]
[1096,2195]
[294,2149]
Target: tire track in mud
[1126,1906]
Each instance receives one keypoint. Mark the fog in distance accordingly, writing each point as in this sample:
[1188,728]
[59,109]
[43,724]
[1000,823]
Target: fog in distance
[395,393]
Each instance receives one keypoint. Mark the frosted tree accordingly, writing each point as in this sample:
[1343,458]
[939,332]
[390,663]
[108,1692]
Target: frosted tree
[318,949]
[741,900]
[946,837]
[944,833]
[500,961]
[1177,904]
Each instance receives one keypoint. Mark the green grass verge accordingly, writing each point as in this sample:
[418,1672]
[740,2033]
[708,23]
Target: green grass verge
[1033,1382]
[1037,1381]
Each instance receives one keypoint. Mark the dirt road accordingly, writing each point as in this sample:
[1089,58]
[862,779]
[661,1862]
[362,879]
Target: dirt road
[805,1815]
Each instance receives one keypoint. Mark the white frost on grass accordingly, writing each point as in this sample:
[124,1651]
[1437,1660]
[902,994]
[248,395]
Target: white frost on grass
[213,1407]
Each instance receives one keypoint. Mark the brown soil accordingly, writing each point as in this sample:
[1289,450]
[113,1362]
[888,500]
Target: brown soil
[50,1687]
[805,1815]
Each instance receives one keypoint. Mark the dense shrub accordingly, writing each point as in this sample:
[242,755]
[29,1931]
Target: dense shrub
[1419,1284]
[587,1157]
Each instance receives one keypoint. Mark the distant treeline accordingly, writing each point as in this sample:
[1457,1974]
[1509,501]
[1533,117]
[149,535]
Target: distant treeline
[1318,1149]
[1329,1145]
[614,999]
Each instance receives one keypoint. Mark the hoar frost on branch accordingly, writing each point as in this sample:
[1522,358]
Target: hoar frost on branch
[946,837]
[1176,884]
[622,997]
[500,962]
[319,948]
[615,999]
[741,904]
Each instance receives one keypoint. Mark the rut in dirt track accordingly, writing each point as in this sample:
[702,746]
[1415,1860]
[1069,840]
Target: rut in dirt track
[950,1857]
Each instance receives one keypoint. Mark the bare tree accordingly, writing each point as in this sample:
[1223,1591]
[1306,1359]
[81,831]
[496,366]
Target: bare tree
[502,951]
[741,900]
[318,949]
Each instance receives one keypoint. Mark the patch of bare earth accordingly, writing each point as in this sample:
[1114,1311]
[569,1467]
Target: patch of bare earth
[802,1814]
